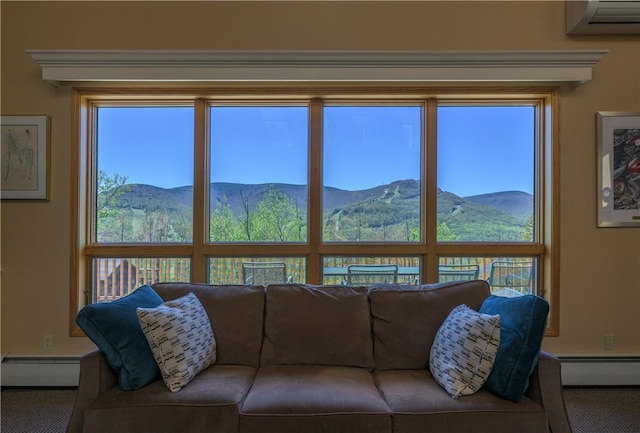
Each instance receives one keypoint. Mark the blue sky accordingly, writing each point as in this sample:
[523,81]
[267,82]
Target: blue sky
[485,149]
[480,149]
[150,145]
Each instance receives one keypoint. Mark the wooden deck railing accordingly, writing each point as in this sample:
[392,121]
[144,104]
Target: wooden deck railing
[117,277]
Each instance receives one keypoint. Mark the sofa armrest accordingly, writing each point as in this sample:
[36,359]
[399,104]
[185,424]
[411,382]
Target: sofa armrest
[96,377]
[545,388]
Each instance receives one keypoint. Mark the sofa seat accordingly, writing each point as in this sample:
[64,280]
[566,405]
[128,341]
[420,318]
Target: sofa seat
[418,404]
[312,398]
[210,402]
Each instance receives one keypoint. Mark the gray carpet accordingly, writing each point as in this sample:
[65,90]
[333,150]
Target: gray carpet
[36,410]
[591,410]
[603,410]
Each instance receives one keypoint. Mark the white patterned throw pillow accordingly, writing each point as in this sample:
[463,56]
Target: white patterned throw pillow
[181,339]
[464,350]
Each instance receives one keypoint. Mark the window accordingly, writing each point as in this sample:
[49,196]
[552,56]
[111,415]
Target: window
[486,172]
[144,161]
[371,173]
[283,185]
[258,170]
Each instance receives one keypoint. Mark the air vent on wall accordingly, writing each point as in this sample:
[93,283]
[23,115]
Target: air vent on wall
[603,17]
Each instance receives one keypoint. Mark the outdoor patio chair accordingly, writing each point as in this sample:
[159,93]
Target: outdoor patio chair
[458,272]
[265,273]
[510,278]
[370,274]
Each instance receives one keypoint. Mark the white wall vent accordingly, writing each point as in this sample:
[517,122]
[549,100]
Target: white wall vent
[586,370]
[56,371]
[39,370]
[603,17]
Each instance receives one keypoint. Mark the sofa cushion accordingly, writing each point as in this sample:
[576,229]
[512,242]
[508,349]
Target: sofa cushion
[522,327]
[114,328]
[236,315]
[463,352]
[313,398]
[407,318]
[418,404]
[181,339]
[320,325]
[211,403]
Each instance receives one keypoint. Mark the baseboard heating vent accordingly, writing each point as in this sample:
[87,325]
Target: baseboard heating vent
[38,370]
[600,370]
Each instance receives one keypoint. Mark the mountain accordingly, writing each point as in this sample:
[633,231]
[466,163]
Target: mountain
[516,203]
[333,198]
[153,198]
[235,193]
[487,217]
[476,221]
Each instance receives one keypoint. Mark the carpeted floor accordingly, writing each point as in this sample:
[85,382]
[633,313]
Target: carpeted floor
[36,410]
[603,409]
[591,410]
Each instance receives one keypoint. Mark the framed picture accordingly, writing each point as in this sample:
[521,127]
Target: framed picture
[618,136]
[24,157]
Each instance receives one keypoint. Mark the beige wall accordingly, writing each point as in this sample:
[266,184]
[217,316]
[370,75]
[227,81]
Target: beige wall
[600,268]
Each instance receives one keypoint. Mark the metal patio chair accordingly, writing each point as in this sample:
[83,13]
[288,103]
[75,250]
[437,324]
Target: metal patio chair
[510,278]
[370,274]
[265,273]
[458,272]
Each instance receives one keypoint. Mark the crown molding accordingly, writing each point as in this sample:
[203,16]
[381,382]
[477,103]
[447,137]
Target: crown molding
[72,66]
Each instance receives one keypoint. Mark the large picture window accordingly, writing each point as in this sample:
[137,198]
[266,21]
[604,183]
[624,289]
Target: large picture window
[258,170]
[371,172]
[271,186]
[486,172]
[144,174]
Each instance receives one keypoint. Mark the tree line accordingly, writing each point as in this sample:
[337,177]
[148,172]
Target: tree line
[277,218]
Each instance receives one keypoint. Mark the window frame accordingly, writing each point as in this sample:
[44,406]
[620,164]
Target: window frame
[546,206]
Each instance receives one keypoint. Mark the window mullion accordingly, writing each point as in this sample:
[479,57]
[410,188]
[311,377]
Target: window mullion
[486,248]
[314,261]
[200,192]
[430,188]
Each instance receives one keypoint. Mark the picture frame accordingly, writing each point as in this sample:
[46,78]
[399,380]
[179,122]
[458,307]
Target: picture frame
[618,144]
[24,157]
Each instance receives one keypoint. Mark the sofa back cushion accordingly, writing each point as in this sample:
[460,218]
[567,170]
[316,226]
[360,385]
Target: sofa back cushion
[407,318]
[320,325]
[236,314]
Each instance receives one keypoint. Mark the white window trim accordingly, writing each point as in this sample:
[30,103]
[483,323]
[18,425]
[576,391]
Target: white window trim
[73,66]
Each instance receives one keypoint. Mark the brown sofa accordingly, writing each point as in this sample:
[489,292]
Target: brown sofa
[301,358]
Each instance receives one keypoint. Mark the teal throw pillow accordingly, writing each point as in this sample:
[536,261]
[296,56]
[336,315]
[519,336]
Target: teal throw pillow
[114,328]
[522,327]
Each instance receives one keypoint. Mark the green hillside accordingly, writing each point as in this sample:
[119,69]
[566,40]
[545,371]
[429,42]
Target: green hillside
[388,212]
[473,221]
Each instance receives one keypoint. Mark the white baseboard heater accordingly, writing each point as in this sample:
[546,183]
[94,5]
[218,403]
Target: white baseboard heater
[37,370]
[40,370]
[583,370]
